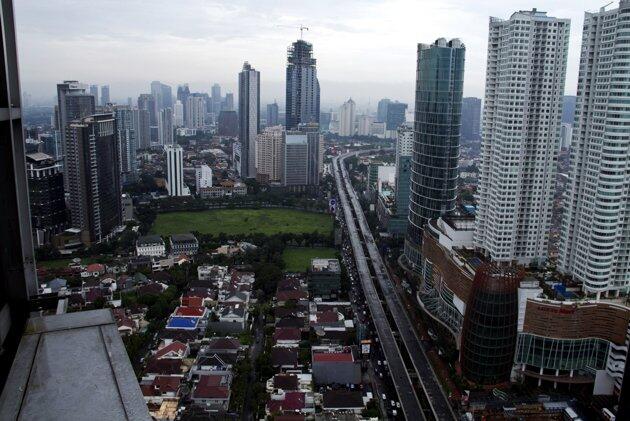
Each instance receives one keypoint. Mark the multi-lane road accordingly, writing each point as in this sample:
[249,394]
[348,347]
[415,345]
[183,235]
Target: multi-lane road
[362,240]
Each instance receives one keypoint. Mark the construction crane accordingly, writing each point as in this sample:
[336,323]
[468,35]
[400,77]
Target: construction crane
[302,28]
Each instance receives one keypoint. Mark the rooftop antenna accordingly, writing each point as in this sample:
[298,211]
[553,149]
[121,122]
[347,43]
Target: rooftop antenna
[302,28]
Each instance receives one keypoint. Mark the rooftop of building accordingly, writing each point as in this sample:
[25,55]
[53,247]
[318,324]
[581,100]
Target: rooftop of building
[40,385]
[325,265]
[183,238]
[148,240]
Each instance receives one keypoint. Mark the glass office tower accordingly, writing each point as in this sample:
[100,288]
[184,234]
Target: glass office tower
[439,87]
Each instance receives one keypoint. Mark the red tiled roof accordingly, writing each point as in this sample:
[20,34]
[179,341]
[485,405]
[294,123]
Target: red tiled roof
[327,317]
[286,334]
[333,357]
[164,366]
[293,401]
[190,311]
[95,267]
[175,347]
[192,301]
[209,387]
[284,356]
[290,295]
[161,385]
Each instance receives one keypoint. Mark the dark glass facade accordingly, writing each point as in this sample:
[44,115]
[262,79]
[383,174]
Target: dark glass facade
[302,100]
[434,166]
[471,119]
[395,115]
[490,325]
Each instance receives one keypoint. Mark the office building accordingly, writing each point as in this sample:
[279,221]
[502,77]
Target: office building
[434,163]
[302,93]
[324,120]
[175,171]
[94,93]
[471,118]
[163,95]
[364,126]
[228,123]
[216,98]
[105,95]
[228,104]
[303,154]
[141,126]
[165,127]
[381,110]
[73,103]
[269,148]
[178,114]
[395,115]
[147,102]
[346,118]
[595,239]
[184,244]
[398,221]
[46,197]
[295,162]
[519,148]
[127,142]
[195,112]
[249,118]
[93,174]
[272,114]
[183,92]
[203,177]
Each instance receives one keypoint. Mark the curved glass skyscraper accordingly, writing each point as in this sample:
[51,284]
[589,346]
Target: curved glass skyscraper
[438,108]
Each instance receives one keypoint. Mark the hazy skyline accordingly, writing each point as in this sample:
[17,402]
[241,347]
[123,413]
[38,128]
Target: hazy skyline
[364,49]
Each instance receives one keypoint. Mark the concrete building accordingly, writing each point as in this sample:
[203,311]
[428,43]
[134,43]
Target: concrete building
[195,111]
[94,93]
[93,173]
[303,155]
[150,245]
[165,127]
[270,151]
[127,143]
[471,118]
[347,115]
[175,171]
[178,114]
[203,177]
[302,89]
[73,103]
[324,277]
[249,118]
[46,197]
[105,95]
[520,135]
[397,223]
[434,164]
[146,102]
[364,127]
[141,118]
[381,113]
[595,239]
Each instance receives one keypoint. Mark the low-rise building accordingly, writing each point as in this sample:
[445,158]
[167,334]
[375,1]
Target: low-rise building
[212,392]
[335,365]
[184,244]
[324,277]
[150,245]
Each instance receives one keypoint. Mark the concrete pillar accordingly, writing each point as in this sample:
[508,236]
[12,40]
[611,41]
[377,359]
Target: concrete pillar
[555,384]
[540,380]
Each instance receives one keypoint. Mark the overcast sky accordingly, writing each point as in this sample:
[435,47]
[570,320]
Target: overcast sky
[365,49]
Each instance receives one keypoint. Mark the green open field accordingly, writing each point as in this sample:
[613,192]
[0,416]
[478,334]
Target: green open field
[242,221]
[298,259]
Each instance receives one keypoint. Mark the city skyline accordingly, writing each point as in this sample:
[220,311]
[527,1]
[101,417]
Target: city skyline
[210,51]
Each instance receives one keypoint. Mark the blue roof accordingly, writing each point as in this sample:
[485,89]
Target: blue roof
[182,323]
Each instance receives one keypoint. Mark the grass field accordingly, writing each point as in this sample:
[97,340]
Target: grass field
[242,221]
[297,259]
